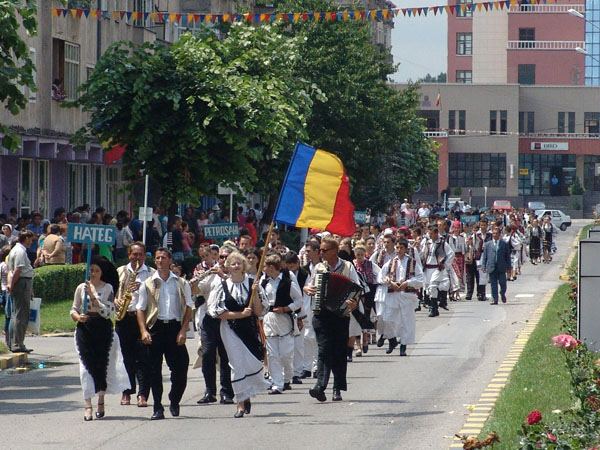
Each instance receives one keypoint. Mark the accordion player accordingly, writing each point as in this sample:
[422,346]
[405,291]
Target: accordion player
[332,291]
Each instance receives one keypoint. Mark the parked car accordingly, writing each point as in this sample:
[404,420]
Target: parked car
[534,206]
[502,205]
[558,218]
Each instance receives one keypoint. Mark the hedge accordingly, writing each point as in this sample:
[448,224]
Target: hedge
[55,283]
[58,282]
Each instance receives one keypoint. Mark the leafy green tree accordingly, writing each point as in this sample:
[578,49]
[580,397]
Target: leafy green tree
[366,121]
[201,112]
[440,78]
[16,68]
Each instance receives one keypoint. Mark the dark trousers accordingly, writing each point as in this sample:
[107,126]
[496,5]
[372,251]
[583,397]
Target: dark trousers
[21,298]
[164,343]
[135,354]
[472,275]
[497,277]
[210,337]
[332,340]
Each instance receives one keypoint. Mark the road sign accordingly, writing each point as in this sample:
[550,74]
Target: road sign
[220,231]
[360,216]
[91,234]
[145,214]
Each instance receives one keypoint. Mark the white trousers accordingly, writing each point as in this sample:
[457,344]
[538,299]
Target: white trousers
[280,354]
[310,352]
[298,363]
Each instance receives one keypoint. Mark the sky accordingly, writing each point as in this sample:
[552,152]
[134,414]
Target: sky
[419,43]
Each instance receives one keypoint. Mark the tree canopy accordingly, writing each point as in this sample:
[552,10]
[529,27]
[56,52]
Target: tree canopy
[16,68]
[201,112]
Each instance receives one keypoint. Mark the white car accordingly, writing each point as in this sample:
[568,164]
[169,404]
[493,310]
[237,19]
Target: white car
[558,218]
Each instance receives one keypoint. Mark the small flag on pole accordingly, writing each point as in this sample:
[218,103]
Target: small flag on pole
[114,154]
[437,100]
[316,193]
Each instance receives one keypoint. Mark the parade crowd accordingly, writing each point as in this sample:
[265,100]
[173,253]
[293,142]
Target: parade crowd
[267,331]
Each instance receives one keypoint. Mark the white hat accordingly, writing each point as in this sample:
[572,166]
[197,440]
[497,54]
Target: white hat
[388,232]
[216,208]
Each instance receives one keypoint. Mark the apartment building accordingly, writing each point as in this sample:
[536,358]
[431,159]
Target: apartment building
[514,139]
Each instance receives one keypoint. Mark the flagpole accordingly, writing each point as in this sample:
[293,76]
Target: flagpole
[261,264]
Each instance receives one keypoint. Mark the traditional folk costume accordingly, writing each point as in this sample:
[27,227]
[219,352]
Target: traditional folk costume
[534,235]
[240,338]
[481,239]
[515,244]
[438,256]
[548,231]
[279,328]
[459,246]
[101,367]
[298,363]
[379,258]
[369,272]
[309,364]
[398,318]
[135,354]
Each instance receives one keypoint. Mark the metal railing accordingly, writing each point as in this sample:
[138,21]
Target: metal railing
[544,45]
[436,134]
[547,8]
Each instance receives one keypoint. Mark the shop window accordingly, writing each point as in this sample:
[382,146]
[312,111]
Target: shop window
[477,169]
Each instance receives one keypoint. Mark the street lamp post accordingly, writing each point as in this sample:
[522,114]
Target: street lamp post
[576,13]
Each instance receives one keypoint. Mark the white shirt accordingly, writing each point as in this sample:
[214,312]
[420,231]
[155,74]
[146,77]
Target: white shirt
[279,324]
[423,212]
[142,275]
[415,282]
[169,303]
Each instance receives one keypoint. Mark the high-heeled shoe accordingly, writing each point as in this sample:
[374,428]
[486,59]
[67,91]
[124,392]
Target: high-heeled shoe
[239,414]
[247,406]
[100,414]
[87,418]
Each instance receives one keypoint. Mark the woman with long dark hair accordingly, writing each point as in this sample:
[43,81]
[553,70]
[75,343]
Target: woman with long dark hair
[101,366]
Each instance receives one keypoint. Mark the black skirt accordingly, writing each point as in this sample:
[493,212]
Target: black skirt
[94,339]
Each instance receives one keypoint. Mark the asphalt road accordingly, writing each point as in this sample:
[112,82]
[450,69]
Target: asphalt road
[417,402]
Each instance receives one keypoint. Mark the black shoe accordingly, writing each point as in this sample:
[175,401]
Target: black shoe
[445,307]
[393,343]
[402,350]
[318,393]
[174,409]
[247,406]
[275,391]
[315,376]
[434,313]
[380,341]
[503,298]
[296,380]
[239,414]
[493,303]
[418,308]
[468,297]
[306,374]
[100,414]
[287,387]
[336,397]
[365,349]
[225,400]
[208,398]
[158,415]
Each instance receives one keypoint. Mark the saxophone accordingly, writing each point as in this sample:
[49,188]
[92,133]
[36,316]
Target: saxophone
[127,288]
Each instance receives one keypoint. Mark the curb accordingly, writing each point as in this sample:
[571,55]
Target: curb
[481,411]
[13,360]
[66,334]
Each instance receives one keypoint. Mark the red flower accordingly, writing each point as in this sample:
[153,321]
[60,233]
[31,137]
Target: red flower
[565,341]
[593,402]
[551,437]
[534,417]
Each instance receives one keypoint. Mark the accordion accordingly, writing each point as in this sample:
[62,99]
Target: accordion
[333,289]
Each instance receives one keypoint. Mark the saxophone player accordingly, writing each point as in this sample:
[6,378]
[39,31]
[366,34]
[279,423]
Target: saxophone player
[134,353]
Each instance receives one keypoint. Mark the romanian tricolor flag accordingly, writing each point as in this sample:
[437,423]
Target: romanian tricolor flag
[316,193]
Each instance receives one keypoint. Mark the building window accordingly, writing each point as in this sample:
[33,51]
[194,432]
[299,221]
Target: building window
[500,127]
[457,121]
[464,43]
[114,189]
[591,123]
[43,187]
[99,183]
[25,186]
[477,169]
[566,122]
[464,76]
[526,122]
[459,11]
[526,73]
[541,168]
[526,37]
[65,66]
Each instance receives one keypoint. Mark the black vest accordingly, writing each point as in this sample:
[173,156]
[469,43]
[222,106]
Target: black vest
[282,296]
[302,277]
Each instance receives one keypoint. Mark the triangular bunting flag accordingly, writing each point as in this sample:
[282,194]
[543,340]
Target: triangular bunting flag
[79,13]
[161,17]
[485,5]
[479,5]
[305,17]
[53,12]
[121,14]
[178,18]
[128,14]
[98,13]
[73,12]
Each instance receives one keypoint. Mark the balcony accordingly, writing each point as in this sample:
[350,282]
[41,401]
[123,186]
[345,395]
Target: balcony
[544,45]
[545,9]
[436,134]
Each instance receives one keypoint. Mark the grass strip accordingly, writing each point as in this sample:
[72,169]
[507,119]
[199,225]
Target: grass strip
[55,317]
[539,380]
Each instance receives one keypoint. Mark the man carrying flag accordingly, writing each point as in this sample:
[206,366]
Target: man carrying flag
[316,194]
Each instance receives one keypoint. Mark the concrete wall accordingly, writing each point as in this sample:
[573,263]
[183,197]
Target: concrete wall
[490,32]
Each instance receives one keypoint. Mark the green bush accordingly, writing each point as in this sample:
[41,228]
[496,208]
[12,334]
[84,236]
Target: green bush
[55,283]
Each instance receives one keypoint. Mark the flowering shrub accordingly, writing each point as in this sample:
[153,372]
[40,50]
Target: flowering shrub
[579,427]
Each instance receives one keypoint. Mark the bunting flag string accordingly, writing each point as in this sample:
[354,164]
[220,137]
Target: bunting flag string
[436,133]
[329,16]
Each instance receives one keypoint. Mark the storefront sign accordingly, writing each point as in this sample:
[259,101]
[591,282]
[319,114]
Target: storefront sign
[220,231]
[558,146]
[523,171]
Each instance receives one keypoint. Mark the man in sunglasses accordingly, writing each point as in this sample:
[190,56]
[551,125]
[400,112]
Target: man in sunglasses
[331,330]
[210,337]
